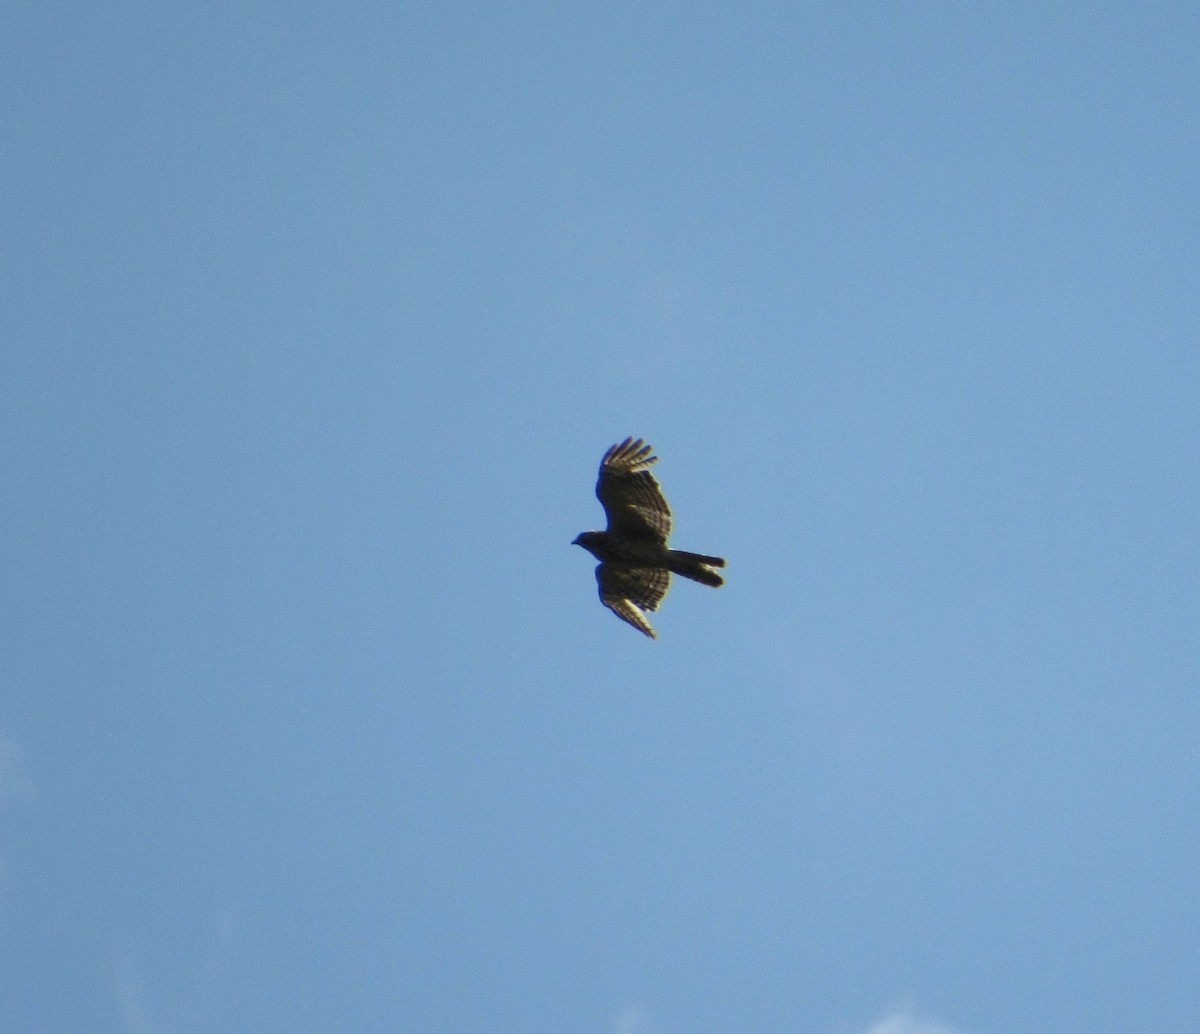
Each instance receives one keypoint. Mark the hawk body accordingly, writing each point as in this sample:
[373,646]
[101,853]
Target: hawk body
[635,566]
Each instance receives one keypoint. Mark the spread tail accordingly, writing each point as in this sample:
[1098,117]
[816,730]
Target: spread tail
[697,567]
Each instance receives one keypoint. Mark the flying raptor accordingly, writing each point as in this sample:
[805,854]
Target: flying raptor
[635,564]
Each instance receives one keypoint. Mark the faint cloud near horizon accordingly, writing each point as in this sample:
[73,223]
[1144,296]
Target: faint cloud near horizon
[133,1002]
[634,1020]
[169,995]
[904,1022]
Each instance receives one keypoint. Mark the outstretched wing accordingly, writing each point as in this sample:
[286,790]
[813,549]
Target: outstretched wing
[631,498]
[627,591]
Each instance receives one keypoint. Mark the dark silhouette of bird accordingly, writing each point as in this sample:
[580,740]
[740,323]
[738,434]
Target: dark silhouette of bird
[635,566]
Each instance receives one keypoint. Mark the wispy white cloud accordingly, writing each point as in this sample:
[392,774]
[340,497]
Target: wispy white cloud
[136,1017]
[903,1021]
[634,1020]
[198,988]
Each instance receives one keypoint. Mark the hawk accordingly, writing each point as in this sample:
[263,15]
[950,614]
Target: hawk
[635,564]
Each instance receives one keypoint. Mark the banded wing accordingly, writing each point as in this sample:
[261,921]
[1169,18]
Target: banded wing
[627,591]
[631,498]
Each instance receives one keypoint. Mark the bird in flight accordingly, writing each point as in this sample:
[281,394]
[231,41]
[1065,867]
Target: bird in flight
[635,564]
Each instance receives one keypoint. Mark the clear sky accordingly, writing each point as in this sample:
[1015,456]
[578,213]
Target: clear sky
[317,319]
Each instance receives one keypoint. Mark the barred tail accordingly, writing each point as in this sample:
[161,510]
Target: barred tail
[697,567]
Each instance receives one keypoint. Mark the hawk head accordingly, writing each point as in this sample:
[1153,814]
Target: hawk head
[591,541]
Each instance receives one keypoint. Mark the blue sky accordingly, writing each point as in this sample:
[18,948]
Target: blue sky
[318,318]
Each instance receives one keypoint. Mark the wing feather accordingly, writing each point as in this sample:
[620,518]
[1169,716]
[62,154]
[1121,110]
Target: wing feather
[632,499]
[628,591]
